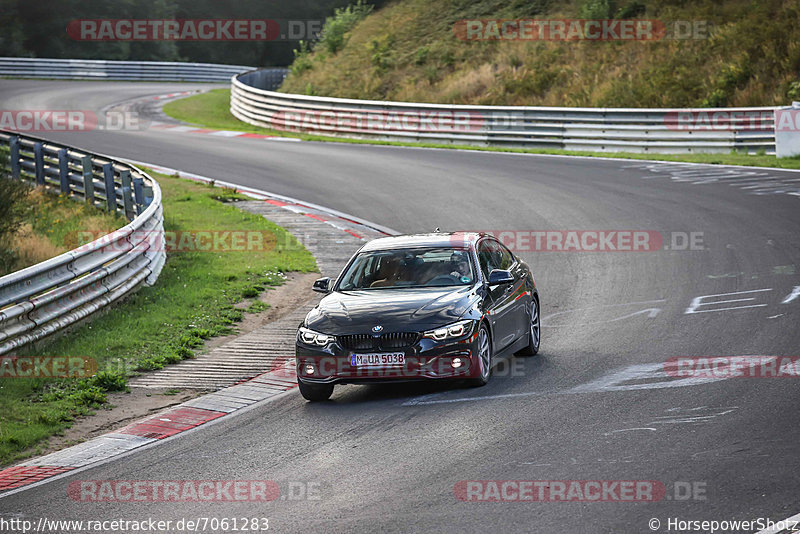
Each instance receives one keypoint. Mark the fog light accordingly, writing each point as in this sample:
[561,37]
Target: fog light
[456,363]
[309,369]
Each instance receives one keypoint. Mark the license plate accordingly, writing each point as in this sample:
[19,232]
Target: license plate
[378,359]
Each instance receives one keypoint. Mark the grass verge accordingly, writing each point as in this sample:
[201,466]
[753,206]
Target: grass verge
[193,300]
[50,226]
[211,110]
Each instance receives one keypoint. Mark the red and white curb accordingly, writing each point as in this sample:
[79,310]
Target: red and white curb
[201,410]
[182,128]
[349,224]
[168,423]
[175,95]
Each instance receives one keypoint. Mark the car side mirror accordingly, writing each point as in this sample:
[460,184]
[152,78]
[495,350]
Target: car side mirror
[322,285]
[499,276]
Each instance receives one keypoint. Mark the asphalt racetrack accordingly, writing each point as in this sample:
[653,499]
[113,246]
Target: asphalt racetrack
[594,405]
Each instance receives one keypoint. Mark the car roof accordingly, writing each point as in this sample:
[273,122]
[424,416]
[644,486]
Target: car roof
[438,239]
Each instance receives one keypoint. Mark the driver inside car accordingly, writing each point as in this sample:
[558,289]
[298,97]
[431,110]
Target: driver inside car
[460,267]
[389,273]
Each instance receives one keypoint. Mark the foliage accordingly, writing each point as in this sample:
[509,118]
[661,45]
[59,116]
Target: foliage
[334,32]
[193,300]
[12,209]
[742,53]
[37,29]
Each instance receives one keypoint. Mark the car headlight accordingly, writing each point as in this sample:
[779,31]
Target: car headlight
[459,329]
[309,337]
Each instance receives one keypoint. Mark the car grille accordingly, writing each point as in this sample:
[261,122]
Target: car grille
[391,341]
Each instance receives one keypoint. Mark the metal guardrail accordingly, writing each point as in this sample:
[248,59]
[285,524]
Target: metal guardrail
[44,298]
[667,131]
[117,70]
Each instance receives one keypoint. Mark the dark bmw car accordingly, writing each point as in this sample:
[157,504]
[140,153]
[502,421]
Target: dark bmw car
[416,307]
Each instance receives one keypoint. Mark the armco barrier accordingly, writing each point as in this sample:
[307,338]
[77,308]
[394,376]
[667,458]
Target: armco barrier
[44,298]
[665,131]
[91,69]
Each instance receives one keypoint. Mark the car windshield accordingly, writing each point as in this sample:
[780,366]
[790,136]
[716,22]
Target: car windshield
[417,267]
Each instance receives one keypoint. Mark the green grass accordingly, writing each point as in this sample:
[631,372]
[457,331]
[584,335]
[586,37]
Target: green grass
[51,225]
[745,54]
[211,110]
[193,300]
[61,218]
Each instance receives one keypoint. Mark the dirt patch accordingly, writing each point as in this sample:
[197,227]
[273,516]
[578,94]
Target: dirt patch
[122,409]
[294,293]
[125,408]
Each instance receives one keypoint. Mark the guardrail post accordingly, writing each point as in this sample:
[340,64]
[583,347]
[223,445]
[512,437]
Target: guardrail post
[13,145]
[88,179]
[138,191]
[63,171]
[148,195]
[127,193]
[111,190]
[38,160]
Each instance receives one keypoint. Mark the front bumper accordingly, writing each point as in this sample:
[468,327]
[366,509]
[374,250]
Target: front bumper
[426,360]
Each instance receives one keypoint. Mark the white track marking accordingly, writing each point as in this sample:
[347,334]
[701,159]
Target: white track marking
[794,294]
[698,301]
[631,430]
[614,381]
[652,312]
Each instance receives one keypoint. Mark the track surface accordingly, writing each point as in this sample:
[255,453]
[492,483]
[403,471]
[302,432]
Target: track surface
[387,458]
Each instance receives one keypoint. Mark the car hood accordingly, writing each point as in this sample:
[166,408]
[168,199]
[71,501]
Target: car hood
[396,310]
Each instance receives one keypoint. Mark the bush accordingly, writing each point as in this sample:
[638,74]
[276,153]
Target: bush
[794,91]
[91,396]
[109,381]
[191,340]
[184,353]
[204,333]
[421,55]
[336,27]
[232,316]
[302,59]
[12,194]
[596,9]
[249,292]
[257,307]
[150,364]
[631,10]
[172,357]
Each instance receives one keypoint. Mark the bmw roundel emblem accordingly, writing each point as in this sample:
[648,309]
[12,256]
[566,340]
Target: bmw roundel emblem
[377,328]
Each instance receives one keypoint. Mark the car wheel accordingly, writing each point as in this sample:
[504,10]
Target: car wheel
[315,392]
[534,331]
[484,358]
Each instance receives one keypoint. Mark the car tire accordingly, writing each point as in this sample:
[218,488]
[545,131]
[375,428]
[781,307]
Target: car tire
[315,392]
[484,358]
[534,331]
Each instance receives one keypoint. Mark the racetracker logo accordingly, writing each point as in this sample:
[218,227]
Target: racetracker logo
[578,30]
[59,120]
[366,121]
[575,240]
[559,490]
[47,367]
[590,240]
[705,120]
[173,491]
[193,30]
[733,367]
[787,120]
[181,241]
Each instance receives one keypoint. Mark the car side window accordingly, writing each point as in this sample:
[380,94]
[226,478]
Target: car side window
[506,258]
[485,258]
